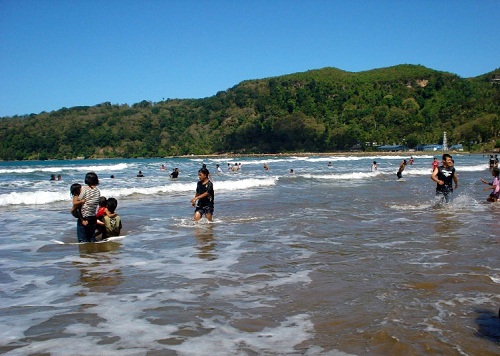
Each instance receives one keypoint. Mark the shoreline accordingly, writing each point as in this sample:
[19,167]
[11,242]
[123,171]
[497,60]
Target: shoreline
[288,154]
[343,153]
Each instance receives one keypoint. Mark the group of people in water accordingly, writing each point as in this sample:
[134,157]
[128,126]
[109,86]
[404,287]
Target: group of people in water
[446,178]
[98,219]
[96,216]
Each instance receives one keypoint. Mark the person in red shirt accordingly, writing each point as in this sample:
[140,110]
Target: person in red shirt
[435,164]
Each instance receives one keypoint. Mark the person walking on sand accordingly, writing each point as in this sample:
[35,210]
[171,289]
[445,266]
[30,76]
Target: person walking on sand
[203,200]
[401,169]
[444,176]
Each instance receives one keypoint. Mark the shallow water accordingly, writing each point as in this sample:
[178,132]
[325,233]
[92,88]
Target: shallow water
[327,261]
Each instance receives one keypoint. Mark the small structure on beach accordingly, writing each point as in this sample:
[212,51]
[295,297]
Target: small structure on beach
[393,148]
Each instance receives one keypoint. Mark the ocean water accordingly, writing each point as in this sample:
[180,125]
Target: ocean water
[326,261]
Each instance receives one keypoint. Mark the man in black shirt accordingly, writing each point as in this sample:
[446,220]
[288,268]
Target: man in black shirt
[444,176]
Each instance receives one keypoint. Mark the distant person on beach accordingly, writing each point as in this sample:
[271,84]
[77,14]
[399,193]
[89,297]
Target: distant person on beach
[374,166]
[219,170]
[435,164]
[491,162]
[444,176]
[203,200]
[401,169]
[291,171]
[91,194]
[112,221]
[235,167]
[162,167]
[330,164]
[495,185]
[140,175]
[266,167]
[175,173]
[411,160]
[59,177]
[53,177]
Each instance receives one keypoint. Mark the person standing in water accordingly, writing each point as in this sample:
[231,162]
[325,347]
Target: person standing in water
[444,176]
[203,200]
[401,169]
[495,185]
[91,195]
[435,164]
[175,173]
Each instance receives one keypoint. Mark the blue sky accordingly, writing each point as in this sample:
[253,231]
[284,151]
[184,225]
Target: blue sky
[65,53]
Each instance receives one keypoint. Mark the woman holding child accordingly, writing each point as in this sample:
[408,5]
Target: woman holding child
[90,195]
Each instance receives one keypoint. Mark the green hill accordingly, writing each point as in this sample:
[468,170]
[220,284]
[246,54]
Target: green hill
[320,110]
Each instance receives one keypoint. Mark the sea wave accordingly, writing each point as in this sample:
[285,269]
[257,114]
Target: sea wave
[60,169]
[41,197]
[341,176]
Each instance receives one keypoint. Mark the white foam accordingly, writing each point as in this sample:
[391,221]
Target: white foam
[227,340]
[43,197]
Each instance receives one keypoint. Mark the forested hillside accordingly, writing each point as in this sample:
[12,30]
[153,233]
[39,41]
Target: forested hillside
[321,110]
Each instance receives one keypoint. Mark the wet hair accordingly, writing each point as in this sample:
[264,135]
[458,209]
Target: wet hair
[496,172]
[103,201]
[204,171]
[446,155]
[112,204]
[75,189]
[374,162]
[91,179]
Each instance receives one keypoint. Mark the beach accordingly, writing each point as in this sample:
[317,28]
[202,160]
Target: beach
[333,260]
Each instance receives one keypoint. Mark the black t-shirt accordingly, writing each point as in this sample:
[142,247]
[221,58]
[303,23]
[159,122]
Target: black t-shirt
[445,174]
[202,188]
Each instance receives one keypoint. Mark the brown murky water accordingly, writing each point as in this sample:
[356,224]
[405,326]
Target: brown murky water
[308,265]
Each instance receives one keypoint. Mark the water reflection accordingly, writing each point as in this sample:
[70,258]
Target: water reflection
[99,273]
[446,223]
[205,242]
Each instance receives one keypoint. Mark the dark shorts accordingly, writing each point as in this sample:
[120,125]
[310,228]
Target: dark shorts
[203,210]
[495,196]
[399,175]
[445,193]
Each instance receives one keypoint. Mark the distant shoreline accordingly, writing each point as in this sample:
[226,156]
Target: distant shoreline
[298,154]
[344,153]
